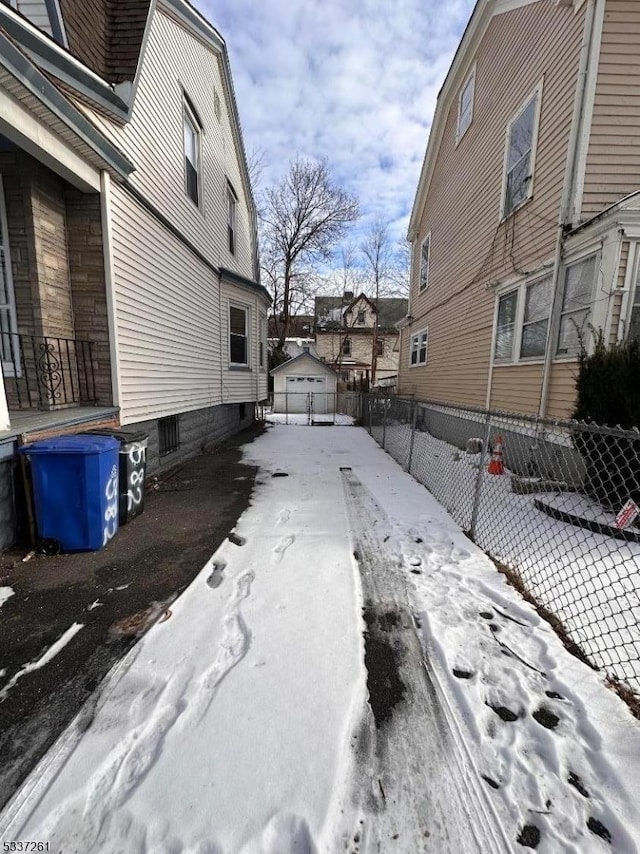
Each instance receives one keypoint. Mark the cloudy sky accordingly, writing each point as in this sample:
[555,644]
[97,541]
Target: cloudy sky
[353,80]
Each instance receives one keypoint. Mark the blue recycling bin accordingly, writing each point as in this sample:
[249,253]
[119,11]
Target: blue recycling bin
[75,490]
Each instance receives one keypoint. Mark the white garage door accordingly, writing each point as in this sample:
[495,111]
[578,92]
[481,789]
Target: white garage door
[299,390]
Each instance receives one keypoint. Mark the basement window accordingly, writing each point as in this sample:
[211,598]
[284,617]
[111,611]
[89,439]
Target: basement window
[168,434]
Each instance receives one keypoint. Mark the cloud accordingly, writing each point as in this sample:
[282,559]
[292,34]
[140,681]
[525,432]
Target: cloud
[355,82]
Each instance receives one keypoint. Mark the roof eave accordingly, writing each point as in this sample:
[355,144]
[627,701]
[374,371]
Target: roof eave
[53,58]
[38,84]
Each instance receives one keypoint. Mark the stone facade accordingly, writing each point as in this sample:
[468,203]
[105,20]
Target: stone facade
[55,241]
[86,272]
[199,430]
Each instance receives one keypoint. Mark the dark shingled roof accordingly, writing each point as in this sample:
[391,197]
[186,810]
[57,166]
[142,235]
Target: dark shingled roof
[106,35]
[390,311]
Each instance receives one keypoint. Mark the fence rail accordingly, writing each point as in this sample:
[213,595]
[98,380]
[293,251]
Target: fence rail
[544,499]
[45,372]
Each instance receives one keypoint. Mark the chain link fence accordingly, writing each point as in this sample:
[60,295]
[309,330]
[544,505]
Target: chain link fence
[552,502]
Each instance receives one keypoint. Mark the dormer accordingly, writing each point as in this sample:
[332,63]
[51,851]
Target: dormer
[360,313]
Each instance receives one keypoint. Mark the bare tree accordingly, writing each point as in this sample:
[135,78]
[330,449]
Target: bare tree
[377,252]
[302,218]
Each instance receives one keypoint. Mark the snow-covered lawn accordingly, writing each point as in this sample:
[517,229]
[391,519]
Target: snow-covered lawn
[230,727]
[589,580]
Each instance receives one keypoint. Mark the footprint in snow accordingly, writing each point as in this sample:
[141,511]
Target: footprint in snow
[283,517]
[217,574]
[280,548]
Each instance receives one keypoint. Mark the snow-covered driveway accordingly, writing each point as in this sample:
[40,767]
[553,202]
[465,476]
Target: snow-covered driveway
[248,722]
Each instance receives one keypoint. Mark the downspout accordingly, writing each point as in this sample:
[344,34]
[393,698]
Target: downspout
[112,313]
[567,199]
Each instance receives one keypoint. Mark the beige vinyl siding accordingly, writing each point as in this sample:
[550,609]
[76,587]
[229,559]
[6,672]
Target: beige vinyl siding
[562,389]
[471,250]
[174,61]
[613,158]
[167,305]
[516,388]
[36,12]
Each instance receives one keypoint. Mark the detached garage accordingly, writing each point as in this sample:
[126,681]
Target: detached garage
[304,385]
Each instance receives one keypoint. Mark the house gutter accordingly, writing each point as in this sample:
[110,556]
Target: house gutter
[568,191]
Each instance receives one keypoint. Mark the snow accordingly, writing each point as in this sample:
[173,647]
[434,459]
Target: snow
[229,727]
[590,581]
[5,593]
[302,419]
[45,658]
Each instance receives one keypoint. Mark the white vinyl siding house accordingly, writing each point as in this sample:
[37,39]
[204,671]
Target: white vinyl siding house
[174,63]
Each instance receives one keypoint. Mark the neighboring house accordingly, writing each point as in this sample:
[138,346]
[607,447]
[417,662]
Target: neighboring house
[526,223]
[128,250]
[353,333]
[296,346]
[300,326]
[304,384]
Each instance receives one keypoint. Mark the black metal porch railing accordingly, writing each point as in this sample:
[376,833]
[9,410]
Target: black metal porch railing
[42,372]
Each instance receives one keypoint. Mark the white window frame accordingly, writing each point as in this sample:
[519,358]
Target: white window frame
[344,341]
[247,334]
[520,288]
[469,82]
[416,338]
[190,119]
[537,94]
[232,219]
[506,292]
[588,322]
[423,287]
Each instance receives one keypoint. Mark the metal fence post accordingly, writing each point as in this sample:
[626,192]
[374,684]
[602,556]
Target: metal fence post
[384,424]
[478,488]
[414,420]
[286,407]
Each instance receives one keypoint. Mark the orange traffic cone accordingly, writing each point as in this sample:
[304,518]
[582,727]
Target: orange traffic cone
[496,464]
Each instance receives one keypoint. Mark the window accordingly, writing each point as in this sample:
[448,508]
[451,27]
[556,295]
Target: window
[380,346]
[522,319]
[238,337]
[633,332]
[418,348]
[576,305]
[191,130]
[506,326]
[168,434]
[537,302]
[346,347]
[361,317]
[465,105]
[520,152]
[424,263]
[231,218]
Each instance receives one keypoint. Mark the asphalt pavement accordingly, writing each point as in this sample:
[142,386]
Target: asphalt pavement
[115,594]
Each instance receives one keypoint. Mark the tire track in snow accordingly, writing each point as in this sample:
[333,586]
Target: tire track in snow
[415,782]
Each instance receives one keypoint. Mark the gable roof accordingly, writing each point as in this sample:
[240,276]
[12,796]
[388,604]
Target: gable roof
[330,311]
[317,363]
[481,16]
